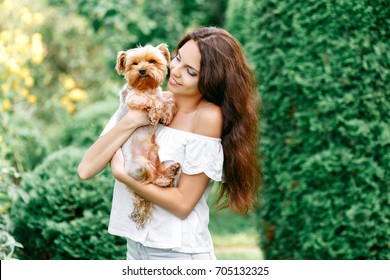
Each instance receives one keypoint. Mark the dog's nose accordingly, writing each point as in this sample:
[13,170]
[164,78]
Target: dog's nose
[142,71]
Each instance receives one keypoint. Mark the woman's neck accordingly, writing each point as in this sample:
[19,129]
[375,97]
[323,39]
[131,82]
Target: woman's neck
[188,105]
[187,109]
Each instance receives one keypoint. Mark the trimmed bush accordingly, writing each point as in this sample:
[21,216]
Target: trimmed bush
[26,146]
[65,217]
[324,79]
[86,126]
[236,18]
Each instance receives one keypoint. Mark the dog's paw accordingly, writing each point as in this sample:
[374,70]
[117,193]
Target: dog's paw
[168,112]
[166,119]
[173,170]
[167,179]
[153,120]
[154,117]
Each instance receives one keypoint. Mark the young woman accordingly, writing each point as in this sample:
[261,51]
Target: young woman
[214,138]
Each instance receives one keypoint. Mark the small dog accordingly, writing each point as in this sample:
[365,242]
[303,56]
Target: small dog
[145,69]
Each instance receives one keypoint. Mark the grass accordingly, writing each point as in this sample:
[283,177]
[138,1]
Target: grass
[241,254]
[238,246]
[234,236]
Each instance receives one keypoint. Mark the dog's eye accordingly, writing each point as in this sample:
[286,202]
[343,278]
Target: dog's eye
[135,63]
[152,61]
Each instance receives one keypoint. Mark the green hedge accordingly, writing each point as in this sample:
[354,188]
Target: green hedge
[65,217]
[87,124]
[324,79]
[26,145]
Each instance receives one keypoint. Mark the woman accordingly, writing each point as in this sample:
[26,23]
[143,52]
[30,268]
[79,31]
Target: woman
[213,132]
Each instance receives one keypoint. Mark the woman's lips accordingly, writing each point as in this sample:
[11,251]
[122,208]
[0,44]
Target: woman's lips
[173,82]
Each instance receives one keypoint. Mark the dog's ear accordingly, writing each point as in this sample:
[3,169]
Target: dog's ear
[121,62]
[164,50]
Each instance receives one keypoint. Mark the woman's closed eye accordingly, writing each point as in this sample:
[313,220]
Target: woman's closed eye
[190,70]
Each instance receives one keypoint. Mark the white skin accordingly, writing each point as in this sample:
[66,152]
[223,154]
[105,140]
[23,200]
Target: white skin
[195,115]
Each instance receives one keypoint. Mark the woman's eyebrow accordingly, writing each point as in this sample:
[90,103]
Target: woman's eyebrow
[178,53]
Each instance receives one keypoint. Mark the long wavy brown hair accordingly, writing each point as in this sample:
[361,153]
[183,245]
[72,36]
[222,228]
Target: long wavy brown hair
[227,80]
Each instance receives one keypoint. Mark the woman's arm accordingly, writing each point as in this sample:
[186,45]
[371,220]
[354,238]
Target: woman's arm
[179,201]
[100,153]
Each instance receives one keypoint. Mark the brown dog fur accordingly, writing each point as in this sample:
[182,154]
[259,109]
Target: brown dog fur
[145,69]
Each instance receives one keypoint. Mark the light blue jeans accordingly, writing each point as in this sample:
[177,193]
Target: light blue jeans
[137,251]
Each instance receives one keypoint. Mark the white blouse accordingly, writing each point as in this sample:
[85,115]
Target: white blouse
[196,154]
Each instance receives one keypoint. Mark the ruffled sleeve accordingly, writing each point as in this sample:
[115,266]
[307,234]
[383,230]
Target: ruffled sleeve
[196,153]
[203,154]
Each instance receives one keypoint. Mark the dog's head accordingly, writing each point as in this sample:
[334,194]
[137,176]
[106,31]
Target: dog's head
[144,68]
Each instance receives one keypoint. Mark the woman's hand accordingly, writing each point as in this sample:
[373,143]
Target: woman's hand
[136,118]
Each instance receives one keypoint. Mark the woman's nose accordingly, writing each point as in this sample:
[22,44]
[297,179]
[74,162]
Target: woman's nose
[174,71]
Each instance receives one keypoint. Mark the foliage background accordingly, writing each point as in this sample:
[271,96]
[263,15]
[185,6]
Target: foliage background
[323,69]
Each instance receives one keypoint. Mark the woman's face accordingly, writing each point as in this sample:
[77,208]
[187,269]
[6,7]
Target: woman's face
[185,69]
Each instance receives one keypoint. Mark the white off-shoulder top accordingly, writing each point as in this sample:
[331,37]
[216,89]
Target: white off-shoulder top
[196,154]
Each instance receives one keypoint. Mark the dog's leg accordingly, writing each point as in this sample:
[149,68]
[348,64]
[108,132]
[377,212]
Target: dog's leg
[162,176]
[166,177]
[168,111]
[156,111]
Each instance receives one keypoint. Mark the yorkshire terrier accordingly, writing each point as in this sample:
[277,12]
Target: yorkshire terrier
[145,69]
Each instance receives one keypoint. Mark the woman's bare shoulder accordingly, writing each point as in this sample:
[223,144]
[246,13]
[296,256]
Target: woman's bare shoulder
[209,121]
